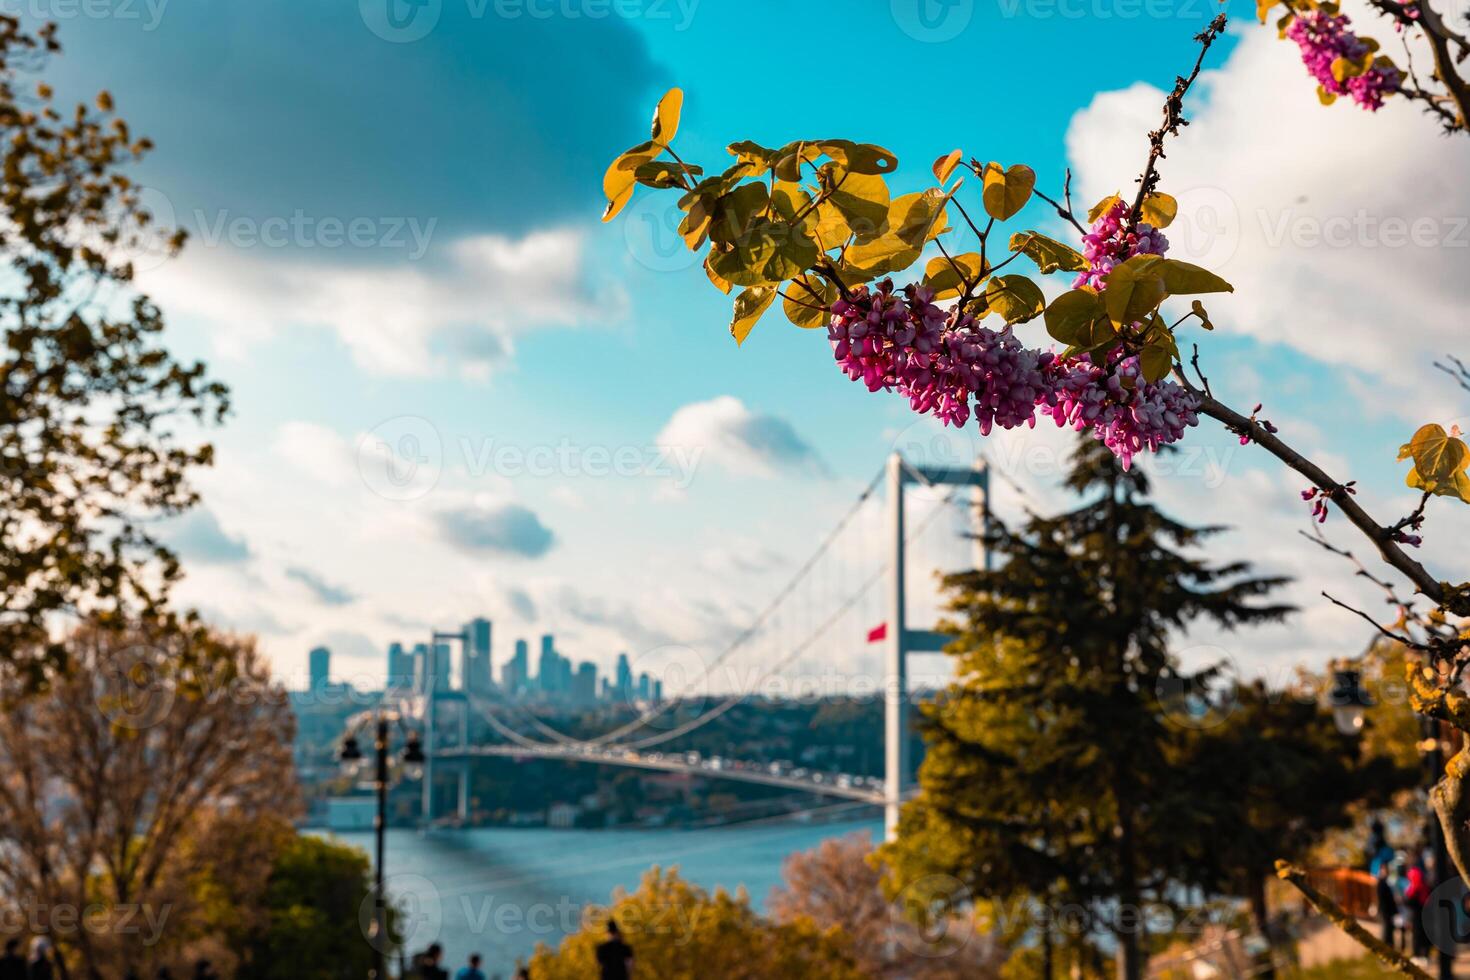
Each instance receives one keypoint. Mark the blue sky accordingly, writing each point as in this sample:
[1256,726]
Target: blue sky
[479,304]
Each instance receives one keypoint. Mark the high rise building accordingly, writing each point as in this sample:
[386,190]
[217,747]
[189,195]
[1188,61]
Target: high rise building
[475,675]
[584,686]
[319,667]
[400,668]
[548,669]
[623,685]
[516,674]
[645,691]
[420,667]
[658,692]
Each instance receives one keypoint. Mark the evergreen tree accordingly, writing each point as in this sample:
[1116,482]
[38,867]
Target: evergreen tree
[1053,775]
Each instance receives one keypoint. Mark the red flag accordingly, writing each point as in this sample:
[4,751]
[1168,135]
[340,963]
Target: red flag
[878,633]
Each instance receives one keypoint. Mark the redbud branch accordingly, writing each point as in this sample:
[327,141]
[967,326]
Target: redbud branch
[1173,116]
[1459,372]
[1406,641]
[1382,539]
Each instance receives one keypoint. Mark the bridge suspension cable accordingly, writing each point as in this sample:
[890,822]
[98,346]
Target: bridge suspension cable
[614,739]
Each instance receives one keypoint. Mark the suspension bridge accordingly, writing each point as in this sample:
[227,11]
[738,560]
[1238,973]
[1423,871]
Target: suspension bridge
[846,596]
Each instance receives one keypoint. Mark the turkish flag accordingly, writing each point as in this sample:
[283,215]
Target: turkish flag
[878,633]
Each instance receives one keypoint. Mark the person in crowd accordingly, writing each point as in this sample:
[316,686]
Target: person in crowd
[471,970]
[12,964]
[615,957]
[426,964]
[1388,906]
[1378,851]
[40,966]
[1416,897]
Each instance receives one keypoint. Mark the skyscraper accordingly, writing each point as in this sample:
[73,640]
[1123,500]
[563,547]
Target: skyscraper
[645,692]
[420,667]
[442,655]
[548,668]
[319,667]
[475,675]
[623,686]
[517,671]
[400,668]
[584,686]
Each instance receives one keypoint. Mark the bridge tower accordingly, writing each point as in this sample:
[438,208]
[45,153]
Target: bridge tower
[901,641]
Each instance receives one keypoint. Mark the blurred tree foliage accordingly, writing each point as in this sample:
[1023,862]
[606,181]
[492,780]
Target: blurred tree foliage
[96,416]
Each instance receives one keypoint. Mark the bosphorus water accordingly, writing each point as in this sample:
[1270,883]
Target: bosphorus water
[498,891]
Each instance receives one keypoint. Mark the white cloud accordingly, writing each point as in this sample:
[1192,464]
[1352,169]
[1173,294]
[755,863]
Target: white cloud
[457,311]
[742,441]
[1346,233]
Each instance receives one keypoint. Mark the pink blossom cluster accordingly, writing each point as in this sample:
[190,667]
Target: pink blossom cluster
[1129,415]
[1111,240]
[948,365]
[1323,38]
[902,341]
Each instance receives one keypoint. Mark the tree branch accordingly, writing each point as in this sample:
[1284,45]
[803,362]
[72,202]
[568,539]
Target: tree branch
[1385,953]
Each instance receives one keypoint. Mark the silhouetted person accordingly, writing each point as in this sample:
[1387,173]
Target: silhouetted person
[471,971]
[12,964]
[615,957]
[40,967]
[1416,896]
[428,966]
[1387,904]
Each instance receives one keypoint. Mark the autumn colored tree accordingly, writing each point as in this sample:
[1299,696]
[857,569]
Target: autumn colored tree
[679,931]
[95,415]
[152,768]
[838,885]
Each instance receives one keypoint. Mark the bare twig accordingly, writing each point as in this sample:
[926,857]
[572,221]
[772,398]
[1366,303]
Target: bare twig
[1385,953]
[1173,115]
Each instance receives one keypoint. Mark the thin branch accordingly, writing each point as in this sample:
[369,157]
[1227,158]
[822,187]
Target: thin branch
[1385,953]
[1173,115]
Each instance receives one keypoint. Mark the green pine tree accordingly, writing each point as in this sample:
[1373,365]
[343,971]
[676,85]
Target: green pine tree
[1052,780]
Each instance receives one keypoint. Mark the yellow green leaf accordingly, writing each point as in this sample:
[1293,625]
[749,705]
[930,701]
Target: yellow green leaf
[804,309]
[1438,454]
[943,275]
[917,218]
[1156,360]
[1016,298]
[736,211]
[618,180]
[666,116]
[1072,316]
[1324,96]
[1159,210]
[720,282]
[1182,278]
[861,201]
[1101,206]
[749,306]
[1198,309]
[882,255]
[945,165]
[664,173]
[1135,289]
[1456,486]
[859,158]
[758,158]
[1007,190]
[1048,253]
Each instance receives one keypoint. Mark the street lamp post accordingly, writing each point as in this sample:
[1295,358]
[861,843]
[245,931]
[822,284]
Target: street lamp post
[351,754]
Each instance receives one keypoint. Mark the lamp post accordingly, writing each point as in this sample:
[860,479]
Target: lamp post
[1349,703]
[351,756]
